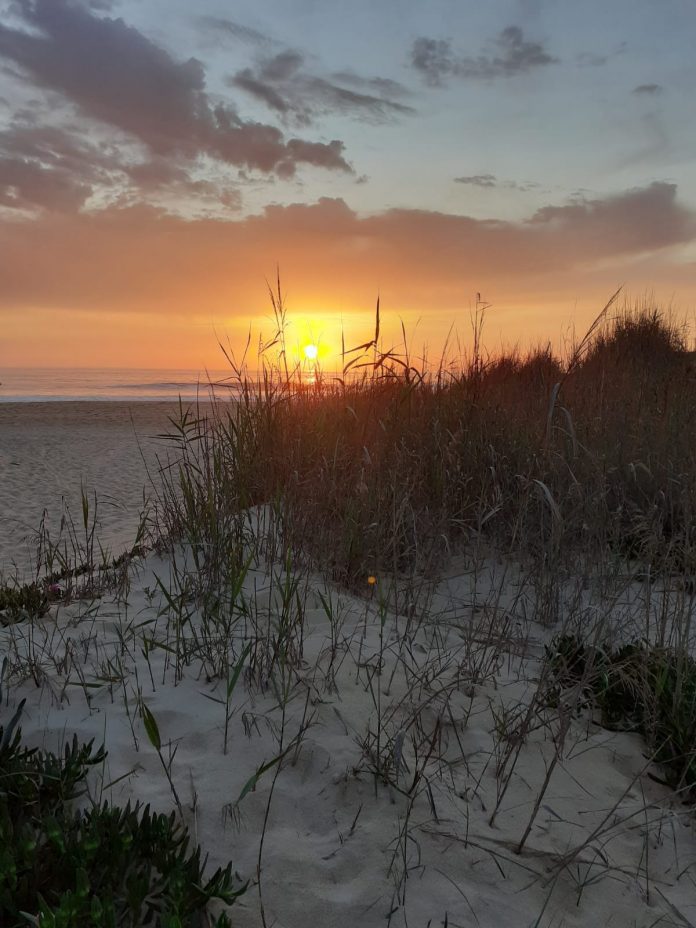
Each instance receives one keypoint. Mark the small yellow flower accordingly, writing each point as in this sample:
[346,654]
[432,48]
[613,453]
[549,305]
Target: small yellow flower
[372,580]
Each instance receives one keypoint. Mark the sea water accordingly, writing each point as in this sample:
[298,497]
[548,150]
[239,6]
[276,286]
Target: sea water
[34,384]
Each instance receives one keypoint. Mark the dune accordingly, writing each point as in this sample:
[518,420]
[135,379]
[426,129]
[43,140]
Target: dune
[394,798]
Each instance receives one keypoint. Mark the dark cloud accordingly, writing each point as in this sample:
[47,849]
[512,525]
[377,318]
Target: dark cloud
[116,75]
[283,84]
[382,86]
[434,59]
[46,167]
[50,168]
[265,92]
[511,56]
[25,185]
[648,90]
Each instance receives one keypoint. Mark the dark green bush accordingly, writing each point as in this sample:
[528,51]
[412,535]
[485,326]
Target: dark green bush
[22,602]
[103,867]
[637,687]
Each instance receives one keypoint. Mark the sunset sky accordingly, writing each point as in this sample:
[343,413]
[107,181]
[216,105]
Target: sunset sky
[159,159]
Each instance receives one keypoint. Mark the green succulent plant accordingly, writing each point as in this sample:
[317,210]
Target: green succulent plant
[105,866]
[18,603]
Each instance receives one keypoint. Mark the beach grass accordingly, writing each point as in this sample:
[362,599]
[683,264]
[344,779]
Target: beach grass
[389,466]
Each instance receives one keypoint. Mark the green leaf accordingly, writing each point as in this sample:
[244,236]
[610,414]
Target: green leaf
[7,736]
[151,727]
[232,682]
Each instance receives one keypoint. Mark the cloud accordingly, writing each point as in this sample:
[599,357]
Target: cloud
[47,167]
[382,86]
[648,90]
[25,184]
[139,259]
[490,181]
[478,180]
[591,60]
[220,27]
[116,75]
[282,83]
[434,59]
[640,220]
[511,56]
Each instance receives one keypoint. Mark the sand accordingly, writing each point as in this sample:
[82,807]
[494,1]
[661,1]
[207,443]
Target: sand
[609,844]
[48,451]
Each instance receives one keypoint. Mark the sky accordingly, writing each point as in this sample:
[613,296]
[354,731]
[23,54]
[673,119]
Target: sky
[162,161]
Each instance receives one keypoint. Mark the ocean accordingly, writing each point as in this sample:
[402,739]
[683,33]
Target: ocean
[26,384]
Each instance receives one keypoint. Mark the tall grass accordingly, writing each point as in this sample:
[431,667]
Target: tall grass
[391,467]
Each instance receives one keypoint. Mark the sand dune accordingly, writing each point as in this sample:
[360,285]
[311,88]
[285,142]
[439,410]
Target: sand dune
[608,844]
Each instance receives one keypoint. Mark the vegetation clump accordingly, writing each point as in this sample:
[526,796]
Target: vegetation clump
[638,687]
[104,866]
[390,466]
[18,603]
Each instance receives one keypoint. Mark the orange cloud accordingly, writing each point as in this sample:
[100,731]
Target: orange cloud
[141,271]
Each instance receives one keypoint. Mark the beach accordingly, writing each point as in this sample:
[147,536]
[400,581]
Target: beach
[52,451]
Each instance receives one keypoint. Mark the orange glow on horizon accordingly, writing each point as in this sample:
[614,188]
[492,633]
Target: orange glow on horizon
[37,338]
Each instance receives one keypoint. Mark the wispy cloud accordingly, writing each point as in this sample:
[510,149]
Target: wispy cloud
[511,55]
[591,60]
[648,90]
[478,180]
[220,27]
[490,181]
[284,84]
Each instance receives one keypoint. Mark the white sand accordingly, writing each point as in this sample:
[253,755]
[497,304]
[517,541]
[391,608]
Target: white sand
[337,851]
[48,451]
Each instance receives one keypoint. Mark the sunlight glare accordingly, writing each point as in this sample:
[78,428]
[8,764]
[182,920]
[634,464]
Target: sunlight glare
[311,352]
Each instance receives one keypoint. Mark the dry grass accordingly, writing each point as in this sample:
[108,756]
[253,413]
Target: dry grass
[392,467]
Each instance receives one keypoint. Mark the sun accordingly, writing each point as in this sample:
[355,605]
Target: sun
[311,352]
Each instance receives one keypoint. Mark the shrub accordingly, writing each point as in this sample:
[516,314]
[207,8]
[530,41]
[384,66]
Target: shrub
[103,866]
[18,603]
[638,687]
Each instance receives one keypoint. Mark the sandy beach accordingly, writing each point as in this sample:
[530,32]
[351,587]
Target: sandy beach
[50,451]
